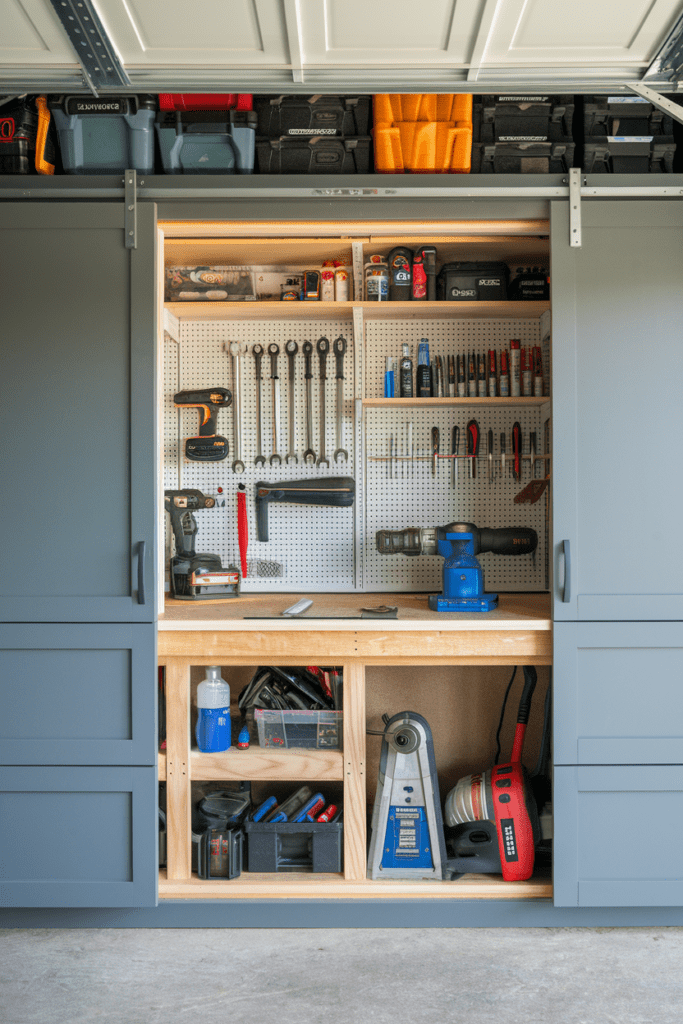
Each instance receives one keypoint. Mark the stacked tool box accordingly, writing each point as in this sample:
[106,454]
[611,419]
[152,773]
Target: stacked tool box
[206,133]
[626,135]
[523,134]
[422,133]
[313,134]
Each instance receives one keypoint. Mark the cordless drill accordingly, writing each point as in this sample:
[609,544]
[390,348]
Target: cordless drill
[207,446]
[195,577]
[459,544]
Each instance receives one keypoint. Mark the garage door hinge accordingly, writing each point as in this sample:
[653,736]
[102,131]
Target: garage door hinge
[130,216]
[575,207]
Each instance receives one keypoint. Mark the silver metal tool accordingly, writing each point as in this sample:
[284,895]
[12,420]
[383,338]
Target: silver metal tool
[323,348]
[291,348]
[298,608]
[257,352]
[435,448]
[339,347]
[307,349]
[274,352]
[236,349]
[502,455]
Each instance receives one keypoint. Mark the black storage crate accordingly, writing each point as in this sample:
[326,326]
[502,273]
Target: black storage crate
[624,115]
[523,157]
[532,118]
[312,115]
[472,282]
[317,155]
[629,155]
[288,846]
[18,135]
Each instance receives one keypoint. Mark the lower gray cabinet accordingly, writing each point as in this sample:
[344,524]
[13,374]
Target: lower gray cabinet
[618,836]
[78,837]
[78,694]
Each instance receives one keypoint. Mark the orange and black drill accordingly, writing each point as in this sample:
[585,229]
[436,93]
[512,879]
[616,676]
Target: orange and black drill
[208,446]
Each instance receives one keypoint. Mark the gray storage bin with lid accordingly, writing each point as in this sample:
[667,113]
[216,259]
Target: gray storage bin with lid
[207,141]
[105,135]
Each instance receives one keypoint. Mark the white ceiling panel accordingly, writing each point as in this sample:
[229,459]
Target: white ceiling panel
[404,31]
[220,32]
[30,33]
[575,31]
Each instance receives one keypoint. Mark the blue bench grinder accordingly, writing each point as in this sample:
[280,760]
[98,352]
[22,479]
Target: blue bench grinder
[459,544]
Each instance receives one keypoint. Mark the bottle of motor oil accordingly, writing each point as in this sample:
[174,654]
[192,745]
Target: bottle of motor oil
[406,372]
[213,730]
[400,262]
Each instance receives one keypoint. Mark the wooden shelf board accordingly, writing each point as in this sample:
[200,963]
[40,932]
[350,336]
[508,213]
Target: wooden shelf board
[372,310]
[257,764]
[297,885]
[381,403]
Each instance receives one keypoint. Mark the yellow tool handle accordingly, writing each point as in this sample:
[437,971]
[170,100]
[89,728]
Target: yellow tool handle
[42,166]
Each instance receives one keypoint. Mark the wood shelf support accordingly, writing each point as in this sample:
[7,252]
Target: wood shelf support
[178,779]
[355,828]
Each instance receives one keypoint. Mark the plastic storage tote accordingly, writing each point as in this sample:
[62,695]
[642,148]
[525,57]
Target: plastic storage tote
[106,135]
[26,142]
[319,154]
[538,118]
[207,142]
[646,154]
[624,115]
[321,730]
[348,116]
[422,133]
[287,846]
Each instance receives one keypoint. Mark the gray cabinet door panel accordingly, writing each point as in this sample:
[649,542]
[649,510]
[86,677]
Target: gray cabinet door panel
[78,694]
[617,836]
[617,424]
[78,837]
[77,400]
[618,693]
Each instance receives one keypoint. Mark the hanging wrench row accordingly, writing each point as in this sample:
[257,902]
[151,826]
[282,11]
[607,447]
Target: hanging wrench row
[291,348]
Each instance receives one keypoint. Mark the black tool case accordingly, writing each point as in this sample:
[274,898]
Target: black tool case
[531,118]
[318,154]
[347,116]
[472,282]
[629,155]
[624,115]
[523,157]
[291,846]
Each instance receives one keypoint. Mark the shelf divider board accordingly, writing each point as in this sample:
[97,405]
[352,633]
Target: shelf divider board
[355,828]
[259,763]
[178,779]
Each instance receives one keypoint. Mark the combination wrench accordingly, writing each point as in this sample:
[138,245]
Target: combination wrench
[260,459]
[339,347]
[273,352]
[291,348]
[236,349]
[307,349]
[323,347]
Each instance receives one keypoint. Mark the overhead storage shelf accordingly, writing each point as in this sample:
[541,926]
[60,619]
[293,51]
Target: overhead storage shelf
[371,310]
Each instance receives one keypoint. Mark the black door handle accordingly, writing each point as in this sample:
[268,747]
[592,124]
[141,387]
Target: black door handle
[141,572]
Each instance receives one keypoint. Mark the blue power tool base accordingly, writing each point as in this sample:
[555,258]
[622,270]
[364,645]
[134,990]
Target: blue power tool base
[483,603]
[407,842]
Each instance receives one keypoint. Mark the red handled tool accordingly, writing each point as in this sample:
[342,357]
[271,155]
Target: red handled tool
[473,446]
[516,449]
[242,527]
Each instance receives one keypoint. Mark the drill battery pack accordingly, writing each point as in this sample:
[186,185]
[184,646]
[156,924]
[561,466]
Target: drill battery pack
[202,577]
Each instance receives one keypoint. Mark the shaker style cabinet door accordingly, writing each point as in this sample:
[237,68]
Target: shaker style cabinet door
[77,400]
[617,368]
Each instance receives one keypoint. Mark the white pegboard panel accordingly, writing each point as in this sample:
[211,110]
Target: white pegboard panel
[446,337]
[408,495]
[314,544]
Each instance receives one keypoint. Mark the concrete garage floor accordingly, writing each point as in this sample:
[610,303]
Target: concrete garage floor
[307,976]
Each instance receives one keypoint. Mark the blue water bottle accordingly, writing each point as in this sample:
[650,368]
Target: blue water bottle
[213,705]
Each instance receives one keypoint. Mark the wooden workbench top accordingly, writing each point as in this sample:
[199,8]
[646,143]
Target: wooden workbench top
[330,611]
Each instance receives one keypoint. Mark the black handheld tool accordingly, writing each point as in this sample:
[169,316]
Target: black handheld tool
[415,540]
[472,446]
[208,446]
[195,577]
[336,491]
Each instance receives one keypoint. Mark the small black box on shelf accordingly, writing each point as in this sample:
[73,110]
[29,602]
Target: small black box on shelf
[472,282]
[346,116]
[292,846]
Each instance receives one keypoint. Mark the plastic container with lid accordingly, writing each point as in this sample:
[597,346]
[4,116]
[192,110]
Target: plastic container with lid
[106,134]
[213,732]
[207,141]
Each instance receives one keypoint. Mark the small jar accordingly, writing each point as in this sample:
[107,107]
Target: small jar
[376,280]
[341,284]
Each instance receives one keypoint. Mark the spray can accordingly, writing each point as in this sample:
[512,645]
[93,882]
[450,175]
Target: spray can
[527,386]
[515,371]
[504,374]
[327,282]
[213,732]
[481,376]
[461,388]
[538,372]
[376,280]
[423,375]
[406,372]
[493,373]
[341,284]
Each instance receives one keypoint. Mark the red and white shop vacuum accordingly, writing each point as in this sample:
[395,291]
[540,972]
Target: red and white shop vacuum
[493,816]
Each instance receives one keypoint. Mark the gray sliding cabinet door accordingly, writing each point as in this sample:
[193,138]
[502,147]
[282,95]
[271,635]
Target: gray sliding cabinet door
[617,421]
[77,394]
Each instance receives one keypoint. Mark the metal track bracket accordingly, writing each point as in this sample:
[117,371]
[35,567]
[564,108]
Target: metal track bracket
[94,50]
[130,216]
[674,110]
[575,207]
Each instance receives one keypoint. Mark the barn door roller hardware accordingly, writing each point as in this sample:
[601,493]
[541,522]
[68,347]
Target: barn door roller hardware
[94,50]
[130,207]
